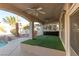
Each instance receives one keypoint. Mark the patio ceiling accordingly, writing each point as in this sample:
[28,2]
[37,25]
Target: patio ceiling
[52,10]
[13,9]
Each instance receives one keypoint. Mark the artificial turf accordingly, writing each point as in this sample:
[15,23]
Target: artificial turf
[52,42]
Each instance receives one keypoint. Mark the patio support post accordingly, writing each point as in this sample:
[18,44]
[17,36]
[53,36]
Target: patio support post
[32,29]
[42,29]
[17,29]
[67,31]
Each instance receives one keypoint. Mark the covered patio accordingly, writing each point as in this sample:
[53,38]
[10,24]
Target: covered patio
[53,21]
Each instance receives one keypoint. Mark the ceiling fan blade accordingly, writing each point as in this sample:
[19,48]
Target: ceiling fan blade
[39,8]
[42,12]
[35,11]
[30,8]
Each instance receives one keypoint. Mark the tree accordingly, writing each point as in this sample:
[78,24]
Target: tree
[12,21]
[25,27]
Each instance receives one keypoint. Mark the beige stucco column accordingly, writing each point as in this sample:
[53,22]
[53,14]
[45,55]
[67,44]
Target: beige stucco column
[41,32]
[32,29]
[67,31]
[67,35]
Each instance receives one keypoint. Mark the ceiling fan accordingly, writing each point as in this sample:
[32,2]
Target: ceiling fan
[35,11]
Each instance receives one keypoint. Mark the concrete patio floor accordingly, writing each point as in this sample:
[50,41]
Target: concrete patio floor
[13,49]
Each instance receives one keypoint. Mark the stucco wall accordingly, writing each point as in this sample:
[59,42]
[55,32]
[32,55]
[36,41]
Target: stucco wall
[68,32]
[62,27]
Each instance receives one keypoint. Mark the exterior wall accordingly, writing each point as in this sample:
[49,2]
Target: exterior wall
[40,31]
[62,27]
[47,27]
[69,12]
[38,27]
[74,38]
[67,30]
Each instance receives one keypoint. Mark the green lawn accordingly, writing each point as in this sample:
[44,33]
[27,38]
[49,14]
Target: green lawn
[52,42]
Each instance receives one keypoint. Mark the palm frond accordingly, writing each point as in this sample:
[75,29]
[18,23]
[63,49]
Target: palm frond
[11,20]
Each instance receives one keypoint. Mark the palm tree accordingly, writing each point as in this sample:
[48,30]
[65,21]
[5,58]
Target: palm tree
[12,21]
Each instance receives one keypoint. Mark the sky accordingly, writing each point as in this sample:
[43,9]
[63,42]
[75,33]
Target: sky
[3,14]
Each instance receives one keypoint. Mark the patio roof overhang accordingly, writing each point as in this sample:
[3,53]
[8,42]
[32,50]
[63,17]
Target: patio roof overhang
[52,10]
[13,9]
